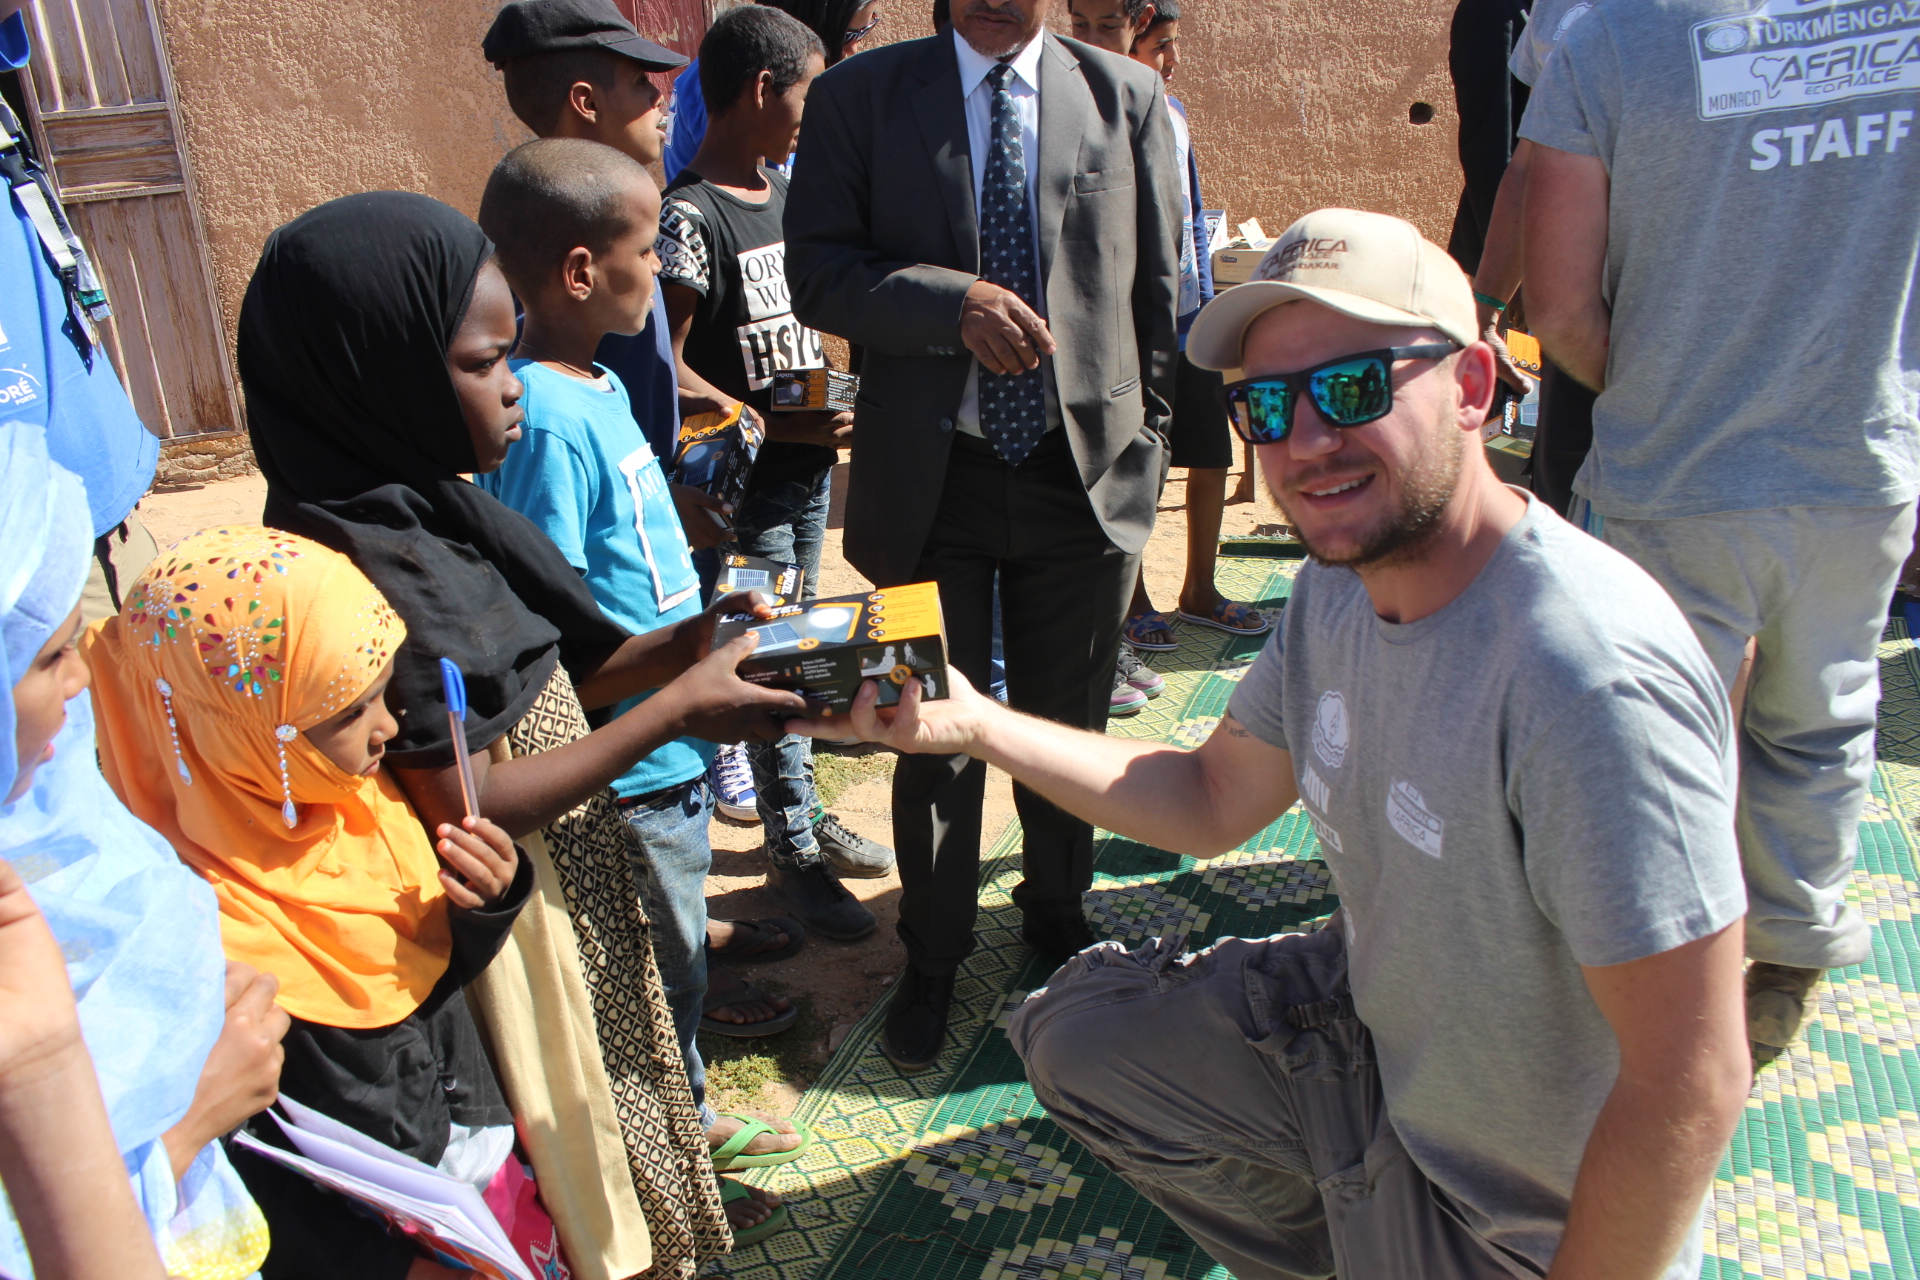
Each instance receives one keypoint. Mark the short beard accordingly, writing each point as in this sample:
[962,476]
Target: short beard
[1001,55]
[1403,538]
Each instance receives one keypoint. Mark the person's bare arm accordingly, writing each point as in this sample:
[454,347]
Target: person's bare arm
[1201,803]
[1500,260]
[59,1162]
[241,1077]
[526,793]
[697,395]
[1564,249]
[1684,1077]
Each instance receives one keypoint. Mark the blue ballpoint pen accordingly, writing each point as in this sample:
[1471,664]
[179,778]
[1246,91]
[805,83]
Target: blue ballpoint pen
[456,690]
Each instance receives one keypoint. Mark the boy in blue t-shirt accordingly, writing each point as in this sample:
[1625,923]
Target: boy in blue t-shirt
[574,222]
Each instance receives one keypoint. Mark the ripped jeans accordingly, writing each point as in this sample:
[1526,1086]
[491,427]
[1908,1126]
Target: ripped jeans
[1239,1092]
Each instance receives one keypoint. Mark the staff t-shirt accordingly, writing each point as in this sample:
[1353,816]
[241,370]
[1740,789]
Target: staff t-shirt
[1547,25]
[734,255]
[1537,777]
[585,474]
[1765,346]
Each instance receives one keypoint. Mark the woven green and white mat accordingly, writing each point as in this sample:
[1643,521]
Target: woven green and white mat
[957,1174]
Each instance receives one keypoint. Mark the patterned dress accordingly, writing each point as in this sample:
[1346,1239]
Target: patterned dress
[597,855]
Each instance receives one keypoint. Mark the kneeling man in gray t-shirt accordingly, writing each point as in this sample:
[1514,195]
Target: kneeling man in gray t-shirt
[1521,1049]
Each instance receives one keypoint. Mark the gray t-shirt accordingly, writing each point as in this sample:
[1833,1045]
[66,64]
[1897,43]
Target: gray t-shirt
[1761,249]
[1535,778]
[1547,25]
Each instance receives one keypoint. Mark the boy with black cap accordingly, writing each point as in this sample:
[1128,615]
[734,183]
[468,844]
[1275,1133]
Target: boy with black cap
[578,69]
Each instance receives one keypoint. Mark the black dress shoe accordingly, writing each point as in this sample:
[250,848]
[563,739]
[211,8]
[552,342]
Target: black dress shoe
[1057,938]
[916,1023]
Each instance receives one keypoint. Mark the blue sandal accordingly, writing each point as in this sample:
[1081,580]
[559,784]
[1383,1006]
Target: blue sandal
[1142,625]
[1233,617]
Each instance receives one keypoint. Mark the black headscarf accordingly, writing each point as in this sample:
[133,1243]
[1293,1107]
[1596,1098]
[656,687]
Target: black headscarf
[343,349]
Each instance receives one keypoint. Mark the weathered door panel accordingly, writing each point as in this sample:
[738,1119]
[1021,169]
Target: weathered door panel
[103,111]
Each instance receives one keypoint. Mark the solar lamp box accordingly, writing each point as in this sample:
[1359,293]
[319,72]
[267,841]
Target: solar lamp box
[780,583]
[827,648]
[805,390]
[716,450]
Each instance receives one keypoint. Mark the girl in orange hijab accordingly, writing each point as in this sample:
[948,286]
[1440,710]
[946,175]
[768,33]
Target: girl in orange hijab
[239,696]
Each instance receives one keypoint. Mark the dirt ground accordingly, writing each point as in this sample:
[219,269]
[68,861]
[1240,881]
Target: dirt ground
[832,983]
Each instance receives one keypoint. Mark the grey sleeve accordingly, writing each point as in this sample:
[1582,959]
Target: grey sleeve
[1625,806]
[1576,106]
[1260,701]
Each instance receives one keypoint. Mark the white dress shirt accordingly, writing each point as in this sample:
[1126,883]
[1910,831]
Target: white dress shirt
[977,96]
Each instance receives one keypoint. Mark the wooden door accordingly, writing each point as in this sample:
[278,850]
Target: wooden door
[101,100]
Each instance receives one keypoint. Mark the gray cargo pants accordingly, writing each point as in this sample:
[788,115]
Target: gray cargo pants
[1238,1092]
[1810,586]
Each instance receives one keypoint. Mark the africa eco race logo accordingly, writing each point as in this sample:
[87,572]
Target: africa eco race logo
[1306,254]
[1792,53]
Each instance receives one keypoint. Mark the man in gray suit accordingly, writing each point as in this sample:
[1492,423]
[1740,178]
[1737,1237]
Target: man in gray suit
[992,214]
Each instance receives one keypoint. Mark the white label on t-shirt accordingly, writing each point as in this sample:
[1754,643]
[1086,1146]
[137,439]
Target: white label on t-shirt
[1313,789]
[774,346]
[1418,825]
[763,278]
[1329,838]
[1330,729]
[675,582]
[1789,56]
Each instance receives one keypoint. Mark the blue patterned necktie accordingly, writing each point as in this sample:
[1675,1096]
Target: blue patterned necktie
[1013,410]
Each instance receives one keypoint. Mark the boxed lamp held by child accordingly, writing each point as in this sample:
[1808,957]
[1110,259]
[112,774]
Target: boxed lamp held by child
[827,648]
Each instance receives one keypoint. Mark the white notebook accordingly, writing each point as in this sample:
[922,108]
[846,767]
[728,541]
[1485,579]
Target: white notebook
[449,1215]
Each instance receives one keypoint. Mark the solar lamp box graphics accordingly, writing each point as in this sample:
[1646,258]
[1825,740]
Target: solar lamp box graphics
[804,390]
[826,648]
[779,583]
[716,451]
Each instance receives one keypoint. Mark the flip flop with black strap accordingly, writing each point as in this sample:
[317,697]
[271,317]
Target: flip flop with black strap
[758,931]
[747,994]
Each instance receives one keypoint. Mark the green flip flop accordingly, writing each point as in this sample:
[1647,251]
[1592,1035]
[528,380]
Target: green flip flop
[727,1157]
[731,1192]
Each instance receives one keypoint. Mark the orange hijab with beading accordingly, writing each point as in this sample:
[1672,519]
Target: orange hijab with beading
[228,647]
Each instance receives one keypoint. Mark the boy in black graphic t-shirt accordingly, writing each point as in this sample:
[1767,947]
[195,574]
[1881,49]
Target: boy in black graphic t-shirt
[724,275]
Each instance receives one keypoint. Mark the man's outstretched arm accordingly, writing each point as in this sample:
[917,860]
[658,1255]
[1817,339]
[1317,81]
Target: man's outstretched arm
[1684,1077]
[1201,803]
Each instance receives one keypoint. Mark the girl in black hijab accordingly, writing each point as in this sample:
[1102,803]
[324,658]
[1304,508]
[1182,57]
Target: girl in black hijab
[373,353]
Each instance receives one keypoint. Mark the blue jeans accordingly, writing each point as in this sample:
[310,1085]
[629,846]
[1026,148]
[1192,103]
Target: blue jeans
[785,522]
[675,858]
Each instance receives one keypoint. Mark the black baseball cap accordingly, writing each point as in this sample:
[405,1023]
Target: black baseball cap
[527,27]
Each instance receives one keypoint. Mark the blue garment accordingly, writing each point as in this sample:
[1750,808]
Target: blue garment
[45,543]
[644,365]
[140,932]
[1196,227]
[689,127]
[15,49]
[45,381]
[583,472]
[672,826]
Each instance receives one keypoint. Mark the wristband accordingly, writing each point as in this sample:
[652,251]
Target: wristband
[1489,300]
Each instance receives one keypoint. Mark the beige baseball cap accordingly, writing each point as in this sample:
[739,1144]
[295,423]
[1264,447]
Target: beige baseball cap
[1365,265]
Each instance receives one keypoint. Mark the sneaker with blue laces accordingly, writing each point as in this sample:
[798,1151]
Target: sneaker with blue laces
[731,777]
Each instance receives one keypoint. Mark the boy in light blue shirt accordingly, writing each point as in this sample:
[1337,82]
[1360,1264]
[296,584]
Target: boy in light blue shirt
[574,222]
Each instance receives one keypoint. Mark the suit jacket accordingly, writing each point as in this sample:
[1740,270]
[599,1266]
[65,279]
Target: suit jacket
[883,243]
